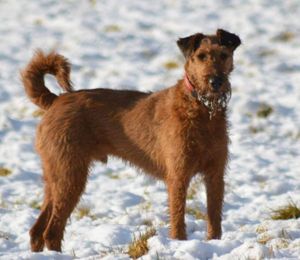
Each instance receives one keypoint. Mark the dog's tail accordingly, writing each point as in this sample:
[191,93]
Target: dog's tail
[33,77]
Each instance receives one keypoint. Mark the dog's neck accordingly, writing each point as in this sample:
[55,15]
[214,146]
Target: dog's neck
[190,87]
[204,100]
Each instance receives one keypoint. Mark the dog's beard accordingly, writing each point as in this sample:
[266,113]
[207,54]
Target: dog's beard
[215,102]
[219,101]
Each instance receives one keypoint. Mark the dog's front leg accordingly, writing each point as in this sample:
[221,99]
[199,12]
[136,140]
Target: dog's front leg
[214,182]
[177,189]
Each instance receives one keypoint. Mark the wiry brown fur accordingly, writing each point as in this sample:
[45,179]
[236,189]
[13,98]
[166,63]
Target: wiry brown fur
[168,134]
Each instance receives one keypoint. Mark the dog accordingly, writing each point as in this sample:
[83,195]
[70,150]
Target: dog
[172,134]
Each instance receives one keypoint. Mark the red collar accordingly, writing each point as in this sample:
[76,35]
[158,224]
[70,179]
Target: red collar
[188,83]
[190,87]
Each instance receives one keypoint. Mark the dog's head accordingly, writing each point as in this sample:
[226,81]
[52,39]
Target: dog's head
[209,61]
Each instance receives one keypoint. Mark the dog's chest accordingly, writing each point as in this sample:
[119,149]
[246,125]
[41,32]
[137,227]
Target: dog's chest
[205,138]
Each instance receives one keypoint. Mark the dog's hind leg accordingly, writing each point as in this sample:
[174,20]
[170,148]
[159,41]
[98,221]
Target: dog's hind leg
[37,230]
[72,177]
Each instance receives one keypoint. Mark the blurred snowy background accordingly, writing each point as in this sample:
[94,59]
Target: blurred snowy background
[131,44]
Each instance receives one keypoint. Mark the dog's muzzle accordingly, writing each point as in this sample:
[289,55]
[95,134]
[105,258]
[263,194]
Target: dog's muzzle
[213,103]
[216,82]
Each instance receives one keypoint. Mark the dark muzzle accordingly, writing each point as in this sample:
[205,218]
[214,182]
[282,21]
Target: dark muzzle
[216,82]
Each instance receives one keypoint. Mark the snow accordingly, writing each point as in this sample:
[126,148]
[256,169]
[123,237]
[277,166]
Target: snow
[125,44]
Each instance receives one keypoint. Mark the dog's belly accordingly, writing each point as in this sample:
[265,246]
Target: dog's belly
[130,143]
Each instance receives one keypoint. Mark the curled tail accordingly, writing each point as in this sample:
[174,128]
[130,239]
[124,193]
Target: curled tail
[33,77]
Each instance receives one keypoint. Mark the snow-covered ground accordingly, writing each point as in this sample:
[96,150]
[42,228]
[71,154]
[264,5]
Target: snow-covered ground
[131,44]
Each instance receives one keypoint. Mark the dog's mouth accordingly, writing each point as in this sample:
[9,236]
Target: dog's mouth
[214,101]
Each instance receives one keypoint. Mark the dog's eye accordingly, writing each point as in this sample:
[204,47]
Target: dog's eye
[223,56]
[202,56]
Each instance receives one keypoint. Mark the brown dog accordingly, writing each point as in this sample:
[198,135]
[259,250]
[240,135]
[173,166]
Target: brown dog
[172,134]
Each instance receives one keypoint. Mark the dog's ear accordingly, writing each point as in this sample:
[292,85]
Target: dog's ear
[189,44]
[228,39]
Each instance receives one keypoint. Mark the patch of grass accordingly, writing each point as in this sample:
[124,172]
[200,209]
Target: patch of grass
[284,36]
[194,188]
[284,234]
[114,176]
[93,3]
[261,229]
[19,202]
[112,28]
[4,235]
[139,246]
[248,114]
[38,22]
[90,73]
[280,243]
[264,238]
[5,172]
[146,192]
[146,205]
[196,213]
[148,54]
[170,65]
[147,222]
[35,205]
[38,113]
[250,74]
[290,211]
[112,250]
[3,204]
[84,211]
[255,130]
[262,184]
[266,53]
[264,110]
[192,191]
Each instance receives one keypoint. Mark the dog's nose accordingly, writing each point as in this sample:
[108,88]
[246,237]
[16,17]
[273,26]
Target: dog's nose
[216,82]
